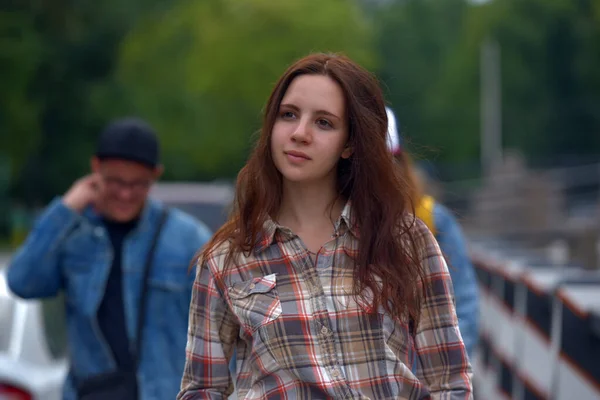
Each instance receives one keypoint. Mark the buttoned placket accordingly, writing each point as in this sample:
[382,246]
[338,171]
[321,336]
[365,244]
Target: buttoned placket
[308,270]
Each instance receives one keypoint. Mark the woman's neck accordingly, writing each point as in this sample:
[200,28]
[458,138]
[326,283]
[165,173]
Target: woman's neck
[309,206]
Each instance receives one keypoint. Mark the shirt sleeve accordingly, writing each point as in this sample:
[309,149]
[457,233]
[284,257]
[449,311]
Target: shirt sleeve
[212,333]
[442,362]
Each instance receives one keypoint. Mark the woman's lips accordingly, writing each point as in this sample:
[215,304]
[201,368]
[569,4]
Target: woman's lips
[297,156]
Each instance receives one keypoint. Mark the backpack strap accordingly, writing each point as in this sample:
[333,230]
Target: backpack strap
[137,346]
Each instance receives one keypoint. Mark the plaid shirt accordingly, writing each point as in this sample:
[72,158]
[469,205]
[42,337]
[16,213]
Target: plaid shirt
[300,333]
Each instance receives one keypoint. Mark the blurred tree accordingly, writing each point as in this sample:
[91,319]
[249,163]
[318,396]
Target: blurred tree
[551,101]
[202,72]
[20,56]
[416,38]
[53,54]
[550,63]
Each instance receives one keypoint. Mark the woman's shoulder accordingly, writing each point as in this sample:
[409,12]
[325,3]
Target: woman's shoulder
[422,238]
[417,228]
[223,255]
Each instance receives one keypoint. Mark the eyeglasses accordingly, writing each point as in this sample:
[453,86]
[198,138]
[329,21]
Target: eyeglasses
[114,183]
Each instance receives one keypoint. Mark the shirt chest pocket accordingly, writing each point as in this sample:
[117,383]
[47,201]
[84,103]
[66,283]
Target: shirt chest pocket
[255,301]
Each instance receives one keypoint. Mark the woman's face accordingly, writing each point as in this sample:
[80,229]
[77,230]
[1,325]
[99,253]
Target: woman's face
[310,134]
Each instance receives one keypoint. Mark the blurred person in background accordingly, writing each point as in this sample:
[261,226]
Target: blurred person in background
[321,280]
[442,223]
[122,260]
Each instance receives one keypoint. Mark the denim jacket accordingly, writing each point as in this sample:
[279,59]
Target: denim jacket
[71,252]
[466,290]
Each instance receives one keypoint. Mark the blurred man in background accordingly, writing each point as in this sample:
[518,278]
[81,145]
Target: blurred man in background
[122,260]
[448,233]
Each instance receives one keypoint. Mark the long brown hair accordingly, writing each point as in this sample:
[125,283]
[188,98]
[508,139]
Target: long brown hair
[408,170]
[380,193]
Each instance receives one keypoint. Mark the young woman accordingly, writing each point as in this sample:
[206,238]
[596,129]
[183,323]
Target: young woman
[322,280]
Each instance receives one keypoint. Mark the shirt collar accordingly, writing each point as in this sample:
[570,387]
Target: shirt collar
[272,231]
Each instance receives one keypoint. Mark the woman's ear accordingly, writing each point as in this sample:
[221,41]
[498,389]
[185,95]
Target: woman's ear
[348,151]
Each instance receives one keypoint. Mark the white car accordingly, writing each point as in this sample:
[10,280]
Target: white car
[33,365]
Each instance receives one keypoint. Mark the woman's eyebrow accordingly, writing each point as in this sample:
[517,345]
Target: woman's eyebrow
[289,105]
[320,112]
[328,113]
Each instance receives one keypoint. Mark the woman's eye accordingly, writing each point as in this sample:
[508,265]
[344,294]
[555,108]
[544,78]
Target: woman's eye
[323,123]
[287,115]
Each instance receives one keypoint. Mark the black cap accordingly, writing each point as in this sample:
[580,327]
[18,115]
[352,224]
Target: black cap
[129,139]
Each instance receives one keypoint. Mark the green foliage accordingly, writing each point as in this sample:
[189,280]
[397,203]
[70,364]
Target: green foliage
[20,54]
[417,40]
[430,53]
[202,72]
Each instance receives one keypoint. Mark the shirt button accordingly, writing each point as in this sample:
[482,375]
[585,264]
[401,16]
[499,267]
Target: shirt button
[324,330]
[252,286]
[335,373]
